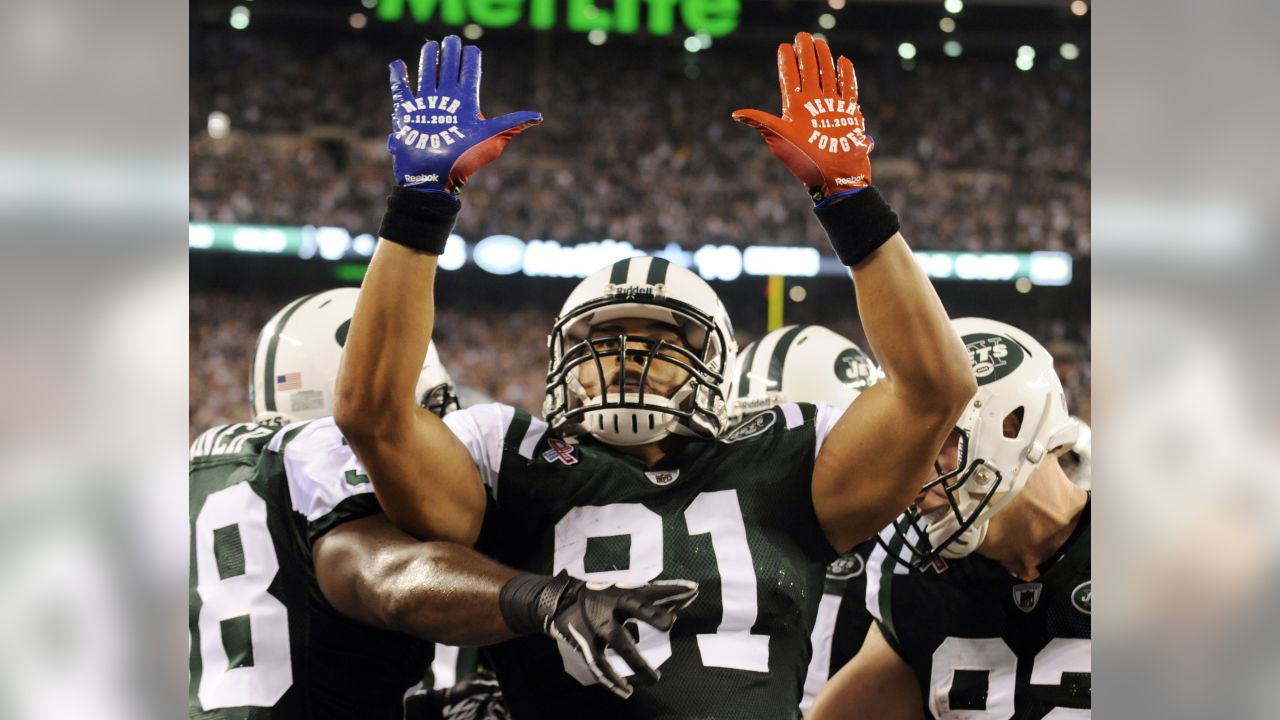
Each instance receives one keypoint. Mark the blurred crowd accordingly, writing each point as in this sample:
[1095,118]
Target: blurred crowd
[638,145]
[490,354]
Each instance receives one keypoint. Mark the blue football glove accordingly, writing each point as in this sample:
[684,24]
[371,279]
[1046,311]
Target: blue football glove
[439,136]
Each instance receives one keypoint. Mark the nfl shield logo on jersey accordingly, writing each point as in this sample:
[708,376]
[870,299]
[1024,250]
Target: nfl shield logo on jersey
[1026,595]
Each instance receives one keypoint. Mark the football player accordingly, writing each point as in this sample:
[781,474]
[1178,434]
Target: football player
[982,594]
[632,474]
[305,602]
[811,364]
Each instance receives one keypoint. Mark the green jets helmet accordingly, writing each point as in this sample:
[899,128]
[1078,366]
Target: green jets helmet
[647,288]
[295,365]
[1016,377]
[799,363]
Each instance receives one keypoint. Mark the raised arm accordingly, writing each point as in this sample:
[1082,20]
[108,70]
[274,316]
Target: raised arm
[879,453]
[376,574]
[423,476]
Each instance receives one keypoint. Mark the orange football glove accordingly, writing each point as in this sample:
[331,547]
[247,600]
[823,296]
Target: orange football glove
[820,136]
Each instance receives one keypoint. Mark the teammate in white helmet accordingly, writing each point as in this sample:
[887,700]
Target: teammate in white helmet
[811,364]
[305,602]
[982,592]
[633,473]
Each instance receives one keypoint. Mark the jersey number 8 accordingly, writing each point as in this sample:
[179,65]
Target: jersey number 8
[244,631]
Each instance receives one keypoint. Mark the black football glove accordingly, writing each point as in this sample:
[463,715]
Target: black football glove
[592,617]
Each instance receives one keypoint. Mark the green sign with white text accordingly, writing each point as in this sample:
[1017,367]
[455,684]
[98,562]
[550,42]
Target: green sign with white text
[656,17]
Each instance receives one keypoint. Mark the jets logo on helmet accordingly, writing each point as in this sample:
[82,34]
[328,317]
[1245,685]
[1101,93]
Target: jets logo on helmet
[855,369]
[992,356]
[296,362]
[800,363]
[639,288]
[1018,416]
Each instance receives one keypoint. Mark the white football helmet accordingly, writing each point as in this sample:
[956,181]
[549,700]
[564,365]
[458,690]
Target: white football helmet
[648,288]
[1015,377]
[295,364]
[1081,471]
[799,363]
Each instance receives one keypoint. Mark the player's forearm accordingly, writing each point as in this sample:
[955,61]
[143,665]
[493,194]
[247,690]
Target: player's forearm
[445,593]
[909,332]
[374,573]
[386,344]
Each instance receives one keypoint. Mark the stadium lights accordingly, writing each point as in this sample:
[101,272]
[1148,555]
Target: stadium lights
[358,21]
[951,48]
[1026,57]
[947,25]
[836,4]
[1069,51]
[597,37]
[1079,7]
[370,4]
[455,253]
[219,125]
[472,31]
[499,254]
[906,51]
[826,21]
[239,17]
[953,6]
[797,293]
[506,255]
[692,44]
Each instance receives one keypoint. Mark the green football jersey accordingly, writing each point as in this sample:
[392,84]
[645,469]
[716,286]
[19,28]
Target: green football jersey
[842,620]
[265,644]
[735,515]
[983,643]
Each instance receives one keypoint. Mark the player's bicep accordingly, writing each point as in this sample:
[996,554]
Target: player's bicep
[876,683]
[353,560]
[427,481]
[872,463]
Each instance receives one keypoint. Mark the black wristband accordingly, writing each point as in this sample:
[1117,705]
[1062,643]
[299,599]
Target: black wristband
[528,602]
[419,220]
[857,224]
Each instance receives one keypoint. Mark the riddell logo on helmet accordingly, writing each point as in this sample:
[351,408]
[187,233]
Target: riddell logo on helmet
[634,292]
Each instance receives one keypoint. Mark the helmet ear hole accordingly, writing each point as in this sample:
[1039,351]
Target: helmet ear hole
[1012,424]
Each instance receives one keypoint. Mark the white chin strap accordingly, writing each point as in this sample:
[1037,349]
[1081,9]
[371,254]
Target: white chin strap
[626,426]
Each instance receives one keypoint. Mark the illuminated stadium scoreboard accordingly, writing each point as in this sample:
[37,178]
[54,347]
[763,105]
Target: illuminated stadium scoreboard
[715,18]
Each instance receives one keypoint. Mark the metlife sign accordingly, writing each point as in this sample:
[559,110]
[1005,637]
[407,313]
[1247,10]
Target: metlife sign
[715,18]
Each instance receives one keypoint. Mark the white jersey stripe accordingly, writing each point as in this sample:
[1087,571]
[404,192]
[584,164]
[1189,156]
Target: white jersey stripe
[824,630]
[791,412]
[537,428]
